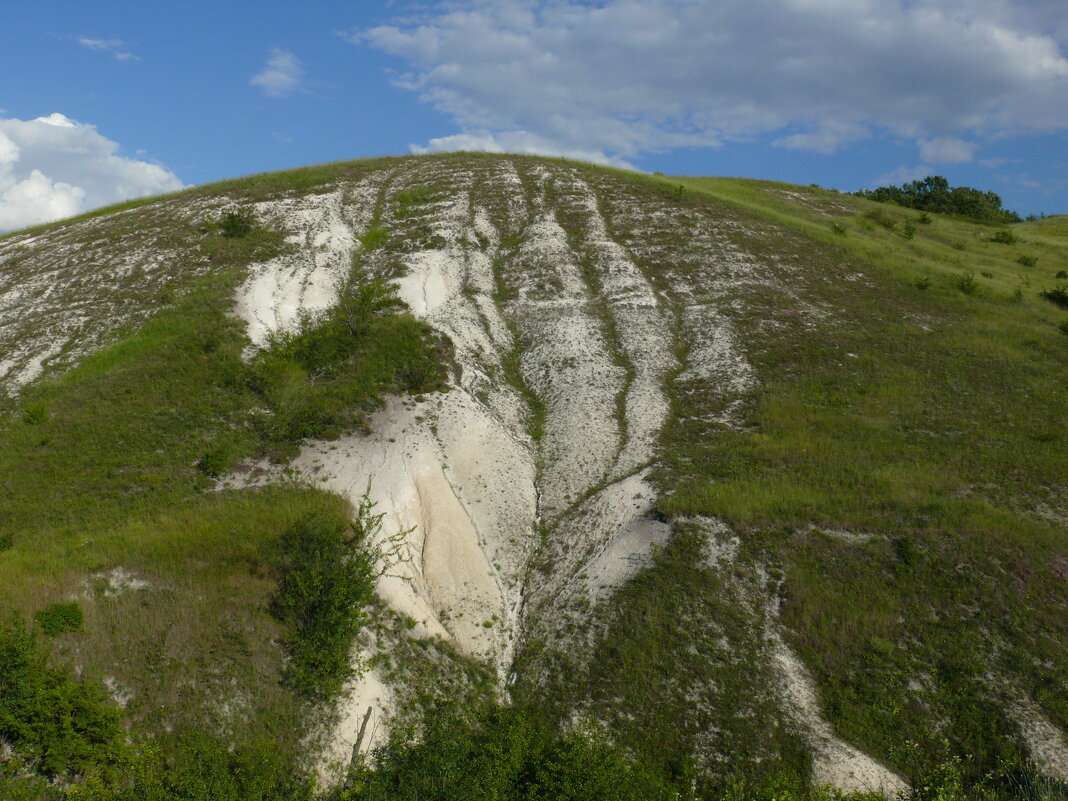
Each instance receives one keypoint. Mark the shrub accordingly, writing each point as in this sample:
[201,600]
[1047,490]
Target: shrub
[967,283]
[1058,295]
[838,228]
[1063,327]
[910,229]
[504,753]
[922,283]
[373,237]
[60,617]
[925,219]
[1004,237]
[57,726]
[1061,274]
[214,463]
[236,224]
[35,413]
[1027,261]
[326,575]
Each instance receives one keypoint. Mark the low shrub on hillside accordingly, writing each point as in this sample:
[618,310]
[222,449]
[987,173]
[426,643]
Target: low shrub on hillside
[324,377]
[1058,295]
[967,284]
[55,726]
[504,753]
[60,617]
[326,578]
[1004,237]
[236,224]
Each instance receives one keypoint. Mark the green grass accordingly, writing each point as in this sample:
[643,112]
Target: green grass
[933,420]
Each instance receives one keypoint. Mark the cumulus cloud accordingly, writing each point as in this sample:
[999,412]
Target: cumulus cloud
[116,47]
[622,77]
[946,150]
[903,175]
[513,142]
[53,167]
[281,76]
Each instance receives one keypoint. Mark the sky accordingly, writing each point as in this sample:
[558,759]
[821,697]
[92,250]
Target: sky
[103,101]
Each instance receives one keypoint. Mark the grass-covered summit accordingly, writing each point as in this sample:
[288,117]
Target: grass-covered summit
[717,486]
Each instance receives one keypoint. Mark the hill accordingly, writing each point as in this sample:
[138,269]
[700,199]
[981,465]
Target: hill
[742,487]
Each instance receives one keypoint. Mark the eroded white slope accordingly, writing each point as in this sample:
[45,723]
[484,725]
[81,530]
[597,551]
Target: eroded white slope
[67,292]
[489,532]
[322,230]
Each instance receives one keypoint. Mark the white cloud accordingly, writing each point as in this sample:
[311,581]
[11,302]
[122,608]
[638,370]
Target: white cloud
[946,150]
[513,142]
[114,46]
[281,76]
[903,175]
[53,167]
[623,77]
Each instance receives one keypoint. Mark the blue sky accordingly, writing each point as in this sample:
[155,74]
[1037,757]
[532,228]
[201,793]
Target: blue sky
[138,98]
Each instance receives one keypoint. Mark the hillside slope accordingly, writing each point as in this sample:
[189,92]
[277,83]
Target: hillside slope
[760,480]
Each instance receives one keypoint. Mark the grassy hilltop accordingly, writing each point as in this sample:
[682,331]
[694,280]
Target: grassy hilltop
[869,474]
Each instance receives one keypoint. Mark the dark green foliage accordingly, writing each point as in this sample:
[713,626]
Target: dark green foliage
[910,229]
[60,617]
[967,284]
[1004,237]
[57,726]
[934,193]
[504,754]
[1058,295]
[236,224]
[214,463]
[325,377]
[326,577]
[1027,261]
[1061,274]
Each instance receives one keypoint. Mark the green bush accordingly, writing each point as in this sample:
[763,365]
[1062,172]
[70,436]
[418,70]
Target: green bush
[35,413]
[57,726]
[236,224]
[1058,295]
[967,284]
[503,754]
[326,577]
[1061,274]
[1027,261]
[60,617]
[1004,237]
[910,229]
